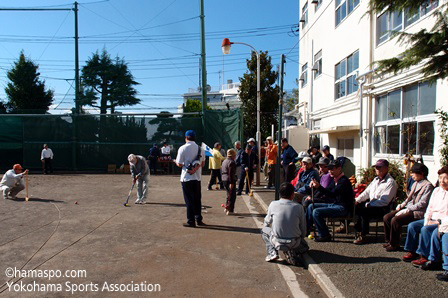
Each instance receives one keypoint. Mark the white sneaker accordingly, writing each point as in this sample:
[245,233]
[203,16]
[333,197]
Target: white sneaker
[137,201]
[270,258]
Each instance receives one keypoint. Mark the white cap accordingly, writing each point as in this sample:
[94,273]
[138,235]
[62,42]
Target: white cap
[268,138]
[132,159]
[251,140]
[307,160]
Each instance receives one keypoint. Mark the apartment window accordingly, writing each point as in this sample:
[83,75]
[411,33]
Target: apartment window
[345,76]
[426,7]
[345,147]
[304,75]
[344,8]
[317,4]
[317,66]
[388,22]
[405,120]
[304,18]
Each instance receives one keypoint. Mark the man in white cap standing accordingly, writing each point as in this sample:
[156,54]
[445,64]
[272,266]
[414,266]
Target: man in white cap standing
[12,182]
[47,158]
[140,175]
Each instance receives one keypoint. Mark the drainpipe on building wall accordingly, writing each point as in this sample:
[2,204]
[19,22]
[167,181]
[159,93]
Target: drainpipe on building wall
[361,80]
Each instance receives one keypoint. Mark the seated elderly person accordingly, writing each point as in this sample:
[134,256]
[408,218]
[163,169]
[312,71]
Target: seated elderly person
[12,182]
[426,245]
[303,184]
[285,220]
[374,201]
[325,181]
[342,194]
[412,209]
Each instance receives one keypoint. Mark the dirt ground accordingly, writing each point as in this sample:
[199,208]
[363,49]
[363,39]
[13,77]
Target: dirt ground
[78,222]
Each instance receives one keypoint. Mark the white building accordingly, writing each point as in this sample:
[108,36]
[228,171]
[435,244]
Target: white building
[375,117]
[218,98]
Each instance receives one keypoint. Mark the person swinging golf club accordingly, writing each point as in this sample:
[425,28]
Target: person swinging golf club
[140,175]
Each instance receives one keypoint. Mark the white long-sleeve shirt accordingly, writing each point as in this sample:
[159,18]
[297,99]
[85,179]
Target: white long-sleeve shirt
[166,150]
[46,153]
[380,191]
[10,178]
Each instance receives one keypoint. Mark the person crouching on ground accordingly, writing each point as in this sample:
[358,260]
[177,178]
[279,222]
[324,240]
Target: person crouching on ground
[140,175]
[285,220]
[12,182]
[412,209]
[229,180]
[428,228]
[215,163]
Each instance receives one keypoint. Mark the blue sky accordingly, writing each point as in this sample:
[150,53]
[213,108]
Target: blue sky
[159,40]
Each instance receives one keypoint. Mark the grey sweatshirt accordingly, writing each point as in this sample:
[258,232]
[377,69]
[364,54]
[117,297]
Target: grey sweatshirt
[286,218]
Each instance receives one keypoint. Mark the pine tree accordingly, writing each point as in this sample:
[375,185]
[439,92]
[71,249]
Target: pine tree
[107,84]
[26,92]
[269,96]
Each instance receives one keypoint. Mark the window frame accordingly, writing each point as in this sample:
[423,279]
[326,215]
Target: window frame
[402,121]
[344,78]
[391,28]
[318,59]
[304,74]
[347,11]
[305,14]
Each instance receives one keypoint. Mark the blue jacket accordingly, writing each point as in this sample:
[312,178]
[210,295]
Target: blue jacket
[288,156]
[238,157]
[304,181]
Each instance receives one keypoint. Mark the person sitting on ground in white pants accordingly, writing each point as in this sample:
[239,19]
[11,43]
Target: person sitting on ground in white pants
[12,182]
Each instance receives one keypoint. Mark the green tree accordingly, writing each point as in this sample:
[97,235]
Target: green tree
[443,117]
[25,91]
[269,95]
[425,46]
[107,84]
[194,105]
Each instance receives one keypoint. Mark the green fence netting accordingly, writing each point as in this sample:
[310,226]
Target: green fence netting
[92,142]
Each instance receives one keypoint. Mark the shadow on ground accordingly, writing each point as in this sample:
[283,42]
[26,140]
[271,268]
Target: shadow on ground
[321,256]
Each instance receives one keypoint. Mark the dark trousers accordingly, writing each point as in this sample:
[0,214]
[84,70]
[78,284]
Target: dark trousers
[288,172]
[48,166]
[192,197]
[243,179]
[393,224]
[215,174]
[231,196]
[271,175]
[365,214]
[153,165]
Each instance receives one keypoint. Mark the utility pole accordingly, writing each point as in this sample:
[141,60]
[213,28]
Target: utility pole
[279,132]
[204,71]
[77,107]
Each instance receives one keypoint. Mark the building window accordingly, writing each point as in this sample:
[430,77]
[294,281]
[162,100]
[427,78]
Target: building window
[345,147]
[304,18]
[304,75]
[317,4]
[344,8]
[388,23]
[345,76]
[405,120]
[317,66]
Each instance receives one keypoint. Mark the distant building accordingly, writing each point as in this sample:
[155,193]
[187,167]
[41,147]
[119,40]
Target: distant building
[223,97]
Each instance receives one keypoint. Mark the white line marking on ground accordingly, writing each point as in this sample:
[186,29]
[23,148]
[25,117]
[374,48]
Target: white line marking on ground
[322,279]
[288,275]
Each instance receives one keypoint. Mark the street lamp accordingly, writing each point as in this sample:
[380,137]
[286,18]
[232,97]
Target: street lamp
[226,43]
